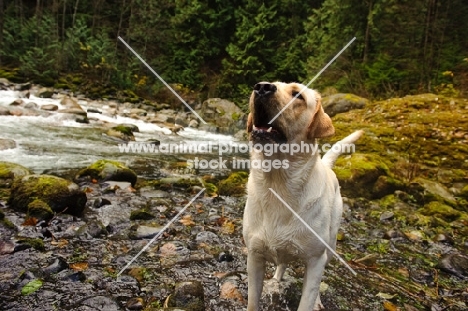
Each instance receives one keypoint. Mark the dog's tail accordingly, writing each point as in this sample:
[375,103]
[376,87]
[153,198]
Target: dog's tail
[340,147]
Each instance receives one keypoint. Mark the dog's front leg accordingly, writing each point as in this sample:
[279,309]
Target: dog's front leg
[255,272]
[310,299]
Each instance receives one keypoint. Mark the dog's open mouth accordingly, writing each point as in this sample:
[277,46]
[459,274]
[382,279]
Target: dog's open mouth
[267,133]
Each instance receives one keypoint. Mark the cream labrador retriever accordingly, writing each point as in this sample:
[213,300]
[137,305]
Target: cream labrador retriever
[307,183]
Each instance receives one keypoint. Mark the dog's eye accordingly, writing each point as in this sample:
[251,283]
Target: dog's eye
[294,94]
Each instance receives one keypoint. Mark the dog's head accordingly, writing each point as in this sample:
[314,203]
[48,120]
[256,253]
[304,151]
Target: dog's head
[303,119]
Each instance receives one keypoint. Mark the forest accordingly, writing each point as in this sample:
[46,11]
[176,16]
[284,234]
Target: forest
[220,48]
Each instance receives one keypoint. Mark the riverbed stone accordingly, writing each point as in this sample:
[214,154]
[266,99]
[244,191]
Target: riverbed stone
[342,102]
[60,194]
[188,295]
[9,171]
[224,114]
[104,170]
[49,107]
[6,143]
[456,264]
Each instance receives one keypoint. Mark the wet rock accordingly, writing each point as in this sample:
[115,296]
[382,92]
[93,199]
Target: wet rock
[17,102]
[207,237]
[70,103]
[393,234]
[4,111]
[150,192]
[45,92]
[444,238]
[93,110]
[193,123]
[74,111]
[31,105]
[135,304]
[427,190]
[104,170]
[144,232]
[101,303]
[60,194]
[281,295]
[359,173]
[234,185]
[440,210]
[121,132]
[456,264]
[189,295]
[40,210]
[99,202]
[339,103]
[387,215]
[7,144]
[49,107]
[224,114]
[92,229]
[142,214]
[6,247]
[9,171]
[58,265]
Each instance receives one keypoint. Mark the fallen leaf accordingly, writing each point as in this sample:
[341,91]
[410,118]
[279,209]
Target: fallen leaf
[228,227]
[229,291]
[187,220]
[31,287]
[60,243]
[388,306]
[79,266]
[31,221]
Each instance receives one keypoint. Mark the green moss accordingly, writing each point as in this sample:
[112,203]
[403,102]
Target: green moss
[388,202]
[211,189]
[358,174]
[438,209]
[234,185]
[40,210]
[103,170]
[60,194]
[235,116]
[37,244]
[142,214]
[123,129]
[9,170]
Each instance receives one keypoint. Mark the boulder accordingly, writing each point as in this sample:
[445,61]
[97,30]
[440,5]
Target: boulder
[224,114]
[9,171]
[45,92]
[363,175]
[104,170]
[7,144]
[188,295]
[342,102]
[36,193]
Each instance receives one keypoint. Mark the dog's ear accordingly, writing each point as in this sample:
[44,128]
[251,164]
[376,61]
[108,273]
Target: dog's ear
[249,123]
[321,125]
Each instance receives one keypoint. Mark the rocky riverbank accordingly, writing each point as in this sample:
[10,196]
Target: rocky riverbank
[403,231]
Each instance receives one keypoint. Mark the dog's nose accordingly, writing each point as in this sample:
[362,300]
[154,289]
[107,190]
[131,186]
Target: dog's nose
[264,89]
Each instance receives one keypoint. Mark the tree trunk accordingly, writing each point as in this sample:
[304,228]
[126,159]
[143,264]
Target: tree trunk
[1,27]
[74,12]
[367,34]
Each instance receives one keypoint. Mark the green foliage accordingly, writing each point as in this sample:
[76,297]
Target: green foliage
[221,48]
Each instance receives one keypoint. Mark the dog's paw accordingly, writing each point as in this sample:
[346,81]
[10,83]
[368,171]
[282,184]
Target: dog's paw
[318,304]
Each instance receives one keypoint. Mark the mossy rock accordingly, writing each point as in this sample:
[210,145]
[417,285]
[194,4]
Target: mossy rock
[183,183]
[339,103]
[9,171]
[359,173]
[40,210]
[104,170]
[211,189]
[234,185]
[37,243]
[60,194]
[464,192]
[426,191]
[188,295]
[440,210]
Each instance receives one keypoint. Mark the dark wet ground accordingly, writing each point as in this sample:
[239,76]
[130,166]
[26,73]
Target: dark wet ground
[77,264]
